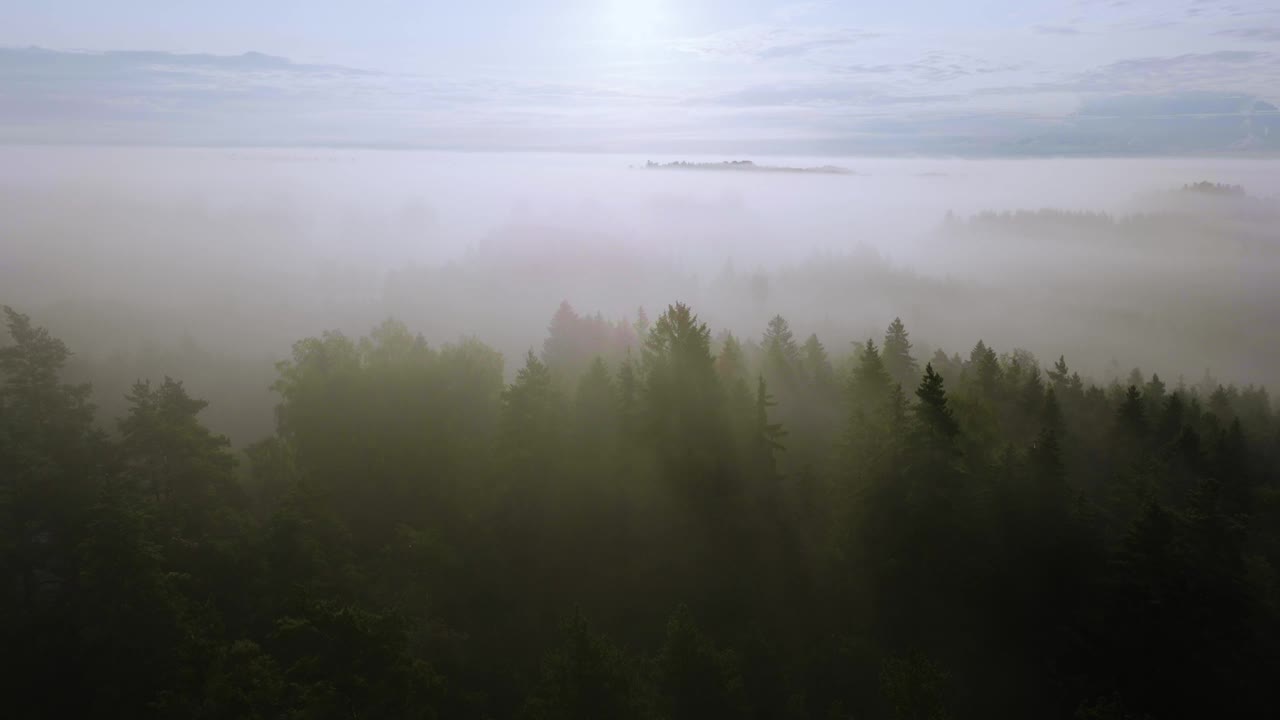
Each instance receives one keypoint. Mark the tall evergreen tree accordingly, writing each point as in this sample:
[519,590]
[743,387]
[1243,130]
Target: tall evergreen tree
[533,416]
[684,403]
[817,366]
[185,468]
[1132,415]
[898,362]
[781,354]
[563,344]
[768,435]
[596,411]
[869,426]
[932,414]
[1060,373]
[985,369]
[731,363]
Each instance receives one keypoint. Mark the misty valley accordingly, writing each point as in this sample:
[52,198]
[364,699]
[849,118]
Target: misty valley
[386,434]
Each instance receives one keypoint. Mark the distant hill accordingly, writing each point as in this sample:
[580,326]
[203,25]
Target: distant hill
[745,166]
[1204,187]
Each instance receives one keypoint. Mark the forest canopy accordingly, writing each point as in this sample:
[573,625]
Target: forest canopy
[653,519]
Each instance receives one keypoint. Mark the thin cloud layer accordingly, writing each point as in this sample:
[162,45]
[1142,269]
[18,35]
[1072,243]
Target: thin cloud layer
[763,42]
[1261,34]
[788,77]
[1056,30]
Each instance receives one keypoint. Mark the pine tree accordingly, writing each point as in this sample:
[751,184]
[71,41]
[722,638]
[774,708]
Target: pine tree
[1222,402]
[532,414]
[875,418]
[187,470]
[1046,453]
[768,435]
[51,466]
[1050,413]
[564,346]
[628,397]
[779,339]
[641,325]
[817,366]
[1046,457]
[781,354]
[1060,372]
[585,676]
[1154,392]
[869,384]
[596,408]
[44,410]
[731,364]
[985,367]
[1171,418]
[684,403]
[933,416]
[1135,378]
[898,362]
[1132,415]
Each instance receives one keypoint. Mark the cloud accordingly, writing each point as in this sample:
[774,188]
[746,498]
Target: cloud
[1179,71]
[768,42]
[163,98]
[1056,30]
[1186,105]
[923,71]
[787,94]
[1206,9]
[822,94]
[37,73]
[39,62]
[934,67]
[1224,70]
[1263,34]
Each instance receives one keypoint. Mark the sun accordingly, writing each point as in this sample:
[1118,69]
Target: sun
[634,21]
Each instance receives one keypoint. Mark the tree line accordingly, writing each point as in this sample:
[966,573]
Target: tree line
[649,521]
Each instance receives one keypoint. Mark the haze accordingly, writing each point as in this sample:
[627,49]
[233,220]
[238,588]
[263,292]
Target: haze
[640,359]
[125,248]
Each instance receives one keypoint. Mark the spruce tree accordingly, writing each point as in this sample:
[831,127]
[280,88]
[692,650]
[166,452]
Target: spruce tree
[933,416]
[898,362]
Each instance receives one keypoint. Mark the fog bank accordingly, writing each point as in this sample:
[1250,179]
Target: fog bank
[208,263]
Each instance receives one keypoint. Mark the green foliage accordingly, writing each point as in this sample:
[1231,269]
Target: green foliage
[933,418]
[982,539]
[898,362]
[696,678]
[532,416]
[585,676]
[684,404]
[174,459]
[913,688]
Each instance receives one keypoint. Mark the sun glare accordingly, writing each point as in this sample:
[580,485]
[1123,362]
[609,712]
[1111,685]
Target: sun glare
[632,21]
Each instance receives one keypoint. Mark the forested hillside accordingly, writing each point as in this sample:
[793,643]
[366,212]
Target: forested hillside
[654,520]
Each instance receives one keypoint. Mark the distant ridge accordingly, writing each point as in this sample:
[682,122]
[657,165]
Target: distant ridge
[744,166]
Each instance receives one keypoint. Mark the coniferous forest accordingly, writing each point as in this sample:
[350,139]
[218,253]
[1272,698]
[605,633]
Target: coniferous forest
[654,519]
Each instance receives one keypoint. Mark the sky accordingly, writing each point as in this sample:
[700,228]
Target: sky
[640,75]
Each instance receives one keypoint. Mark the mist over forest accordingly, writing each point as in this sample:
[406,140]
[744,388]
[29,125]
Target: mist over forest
[317,433]
[208,264]
[640,360]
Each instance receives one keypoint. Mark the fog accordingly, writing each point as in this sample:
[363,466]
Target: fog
[208,264]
